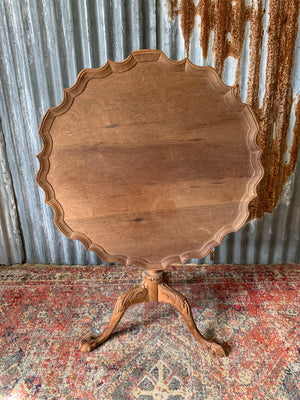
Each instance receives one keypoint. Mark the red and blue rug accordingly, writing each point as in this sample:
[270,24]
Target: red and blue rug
[44,311]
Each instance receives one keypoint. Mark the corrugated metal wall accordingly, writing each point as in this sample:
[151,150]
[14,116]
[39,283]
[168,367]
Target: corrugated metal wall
[252,44]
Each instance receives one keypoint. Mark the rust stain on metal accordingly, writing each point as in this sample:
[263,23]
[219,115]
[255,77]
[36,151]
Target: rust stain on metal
[290,167]
[173,10]
[187,11]
[274,115]
[227,20]
[205,10]
[256,38]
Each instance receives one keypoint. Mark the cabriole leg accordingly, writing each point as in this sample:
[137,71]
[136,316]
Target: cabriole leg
[168,295]
[137,294]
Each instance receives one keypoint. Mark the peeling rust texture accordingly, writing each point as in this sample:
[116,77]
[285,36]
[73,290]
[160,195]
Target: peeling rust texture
[173,10]
[187,11]
[227,19]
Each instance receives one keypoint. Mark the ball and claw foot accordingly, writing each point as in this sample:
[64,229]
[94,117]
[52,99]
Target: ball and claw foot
[87,345]
[216,350]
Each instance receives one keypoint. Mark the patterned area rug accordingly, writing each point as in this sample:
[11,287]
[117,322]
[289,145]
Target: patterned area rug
[44,312]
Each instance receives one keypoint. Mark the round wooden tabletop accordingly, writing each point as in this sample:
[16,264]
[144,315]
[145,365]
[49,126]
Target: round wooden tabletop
[149,161]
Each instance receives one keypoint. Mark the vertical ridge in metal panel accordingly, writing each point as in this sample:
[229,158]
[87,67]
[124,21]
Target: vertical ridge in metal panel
[17,119]
[292,244]
[11,246]
[149,13]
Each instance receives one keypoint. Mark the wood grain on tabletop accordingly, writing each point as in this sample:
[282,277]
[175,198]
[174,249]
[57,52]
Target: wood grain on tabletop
[153,160]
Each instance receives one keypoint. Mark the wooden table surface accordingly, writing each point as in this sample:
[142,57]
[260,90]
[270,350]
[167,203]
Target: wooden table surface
[149,161]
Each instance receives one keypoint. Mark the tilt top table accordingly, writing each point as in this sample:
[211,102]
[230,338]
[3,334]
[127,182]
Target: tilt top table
[149,162]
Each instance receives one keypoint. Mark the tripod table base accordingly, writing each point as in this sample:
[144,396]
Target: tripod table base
[152,288]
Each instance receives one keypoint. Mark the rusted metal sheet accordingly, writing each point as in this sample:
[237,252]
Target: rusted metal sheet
[253,44]
[273,29]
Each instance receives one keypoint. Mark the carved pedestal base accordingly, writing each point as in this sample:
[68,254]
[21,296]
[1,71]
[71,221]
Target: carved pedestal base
[152,288]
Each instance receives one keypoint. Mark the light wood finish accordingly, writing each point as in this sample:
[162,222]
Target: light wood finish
[149,161]
[152,288]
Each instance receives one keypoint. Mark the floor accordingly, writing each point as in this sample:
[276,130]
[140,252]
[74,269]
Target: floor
[253,310]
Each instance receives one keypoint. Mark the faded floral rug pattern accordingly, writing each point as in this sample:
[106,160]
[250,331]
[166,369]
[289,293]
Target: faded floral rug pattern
[255,310]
